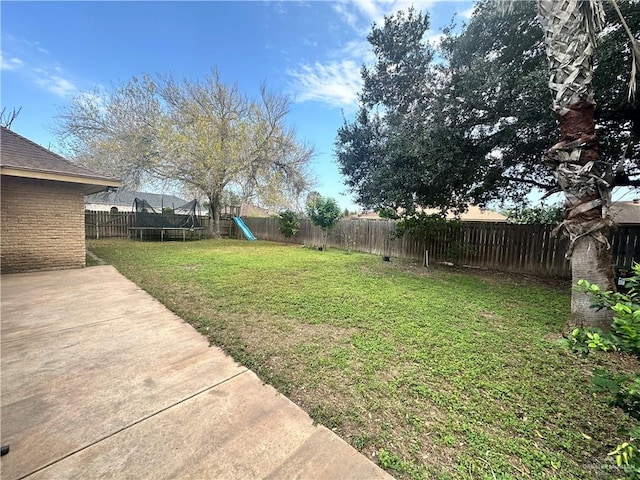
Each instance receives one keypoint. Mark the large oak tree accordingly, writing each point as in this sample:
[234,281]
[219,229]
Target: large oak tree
[481,127]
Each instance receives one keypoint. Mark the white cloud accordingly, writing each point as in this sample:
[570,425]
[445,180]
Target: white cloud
[360,14]
[56,84]
[347,16]
[434,38]
[359,49]
[369,8]
[336,83]
[36,66]
[12,63]
[466,14]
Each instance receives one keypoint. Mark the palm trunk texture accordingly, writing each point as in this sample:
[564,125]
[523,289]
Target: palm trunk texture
[569,27]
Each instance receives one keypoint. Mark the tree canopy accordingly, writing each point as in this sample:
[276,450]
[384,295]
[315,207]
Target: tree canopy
[204,134]
[476,126]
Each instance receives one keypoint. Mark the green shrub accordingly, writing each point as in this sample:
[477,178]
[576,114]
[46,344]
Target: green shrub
[627,456]
[624,336]
[625,329]
[289,223]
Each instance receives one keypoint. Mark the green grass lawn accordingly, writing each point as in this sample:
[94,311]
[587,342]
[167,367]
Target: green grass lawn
[432,373]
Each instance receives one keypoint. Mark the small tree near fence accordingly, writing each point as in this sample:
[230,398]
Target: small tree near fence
[324,213]
[289,223]
[433,228]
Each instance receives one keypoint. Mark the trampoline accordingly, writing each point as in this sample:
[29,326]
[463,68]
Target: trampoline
[151,223]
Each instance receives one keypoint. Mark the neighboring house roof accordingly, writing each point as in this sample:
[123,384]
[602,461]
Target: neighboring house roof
[473,214]
[250,210]
[20,157]
[123,198]
[626,213]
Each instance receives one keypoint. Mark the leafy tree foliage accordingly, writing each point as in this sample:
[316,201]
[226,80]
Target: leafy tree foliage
[397,81]
[475,127]
[324,213]
[497,95]
[204,134]
[543,215]
[382,152]
[289,223]
[479,126]
[499,80]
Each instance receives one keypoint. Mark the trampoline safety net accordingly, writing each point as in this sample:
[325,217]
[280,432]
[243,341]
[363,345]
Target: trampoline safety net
[184,216]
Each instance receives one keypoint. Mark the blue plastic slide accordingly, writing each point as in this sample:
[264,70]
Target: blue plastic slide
[245,230]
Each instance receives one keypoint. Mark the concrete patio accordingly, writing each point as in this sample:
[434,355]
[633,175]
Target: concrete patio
[101,380]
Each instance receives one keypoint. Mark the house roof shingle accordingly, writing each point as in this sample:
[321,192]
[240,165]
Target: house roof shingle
[250,210]
[19,154]
[626,213]
[126,197]
[473,214]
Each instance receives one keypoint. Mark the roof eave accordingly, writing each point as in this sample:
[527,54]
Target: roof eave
[90,184]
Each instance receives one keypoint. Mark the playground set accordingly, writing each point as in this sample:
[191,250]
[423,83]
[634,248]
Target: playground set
[178,223]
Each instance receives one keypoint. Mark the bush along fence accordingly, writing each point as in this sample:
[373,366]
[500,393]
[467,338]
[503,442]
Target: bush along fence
[499,246]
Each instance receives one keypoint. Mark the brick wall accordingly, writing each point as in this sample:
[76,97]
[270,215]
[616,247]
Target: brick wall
[42,225]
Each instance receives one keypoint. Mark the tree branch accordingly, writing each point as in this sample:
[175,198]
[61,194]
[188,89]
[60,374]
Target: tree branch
[544,186]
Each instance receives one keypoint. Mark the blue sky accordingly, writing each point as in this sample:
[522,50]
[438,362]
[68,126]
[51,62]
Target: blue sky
[311,51]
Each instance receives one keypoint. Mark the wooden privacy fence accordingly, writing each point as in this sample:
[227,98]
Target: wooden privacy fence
[107,225]
[499,246]
[626,246]
[116,225]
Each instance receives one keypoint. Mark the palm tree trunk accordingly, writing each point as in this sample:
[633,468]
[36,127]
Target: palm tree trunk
[590,260]
[569,27]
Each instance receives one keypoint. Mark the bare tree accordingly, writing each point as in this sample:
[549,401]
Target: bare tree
[113,132]
[7,118]
[205,134]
